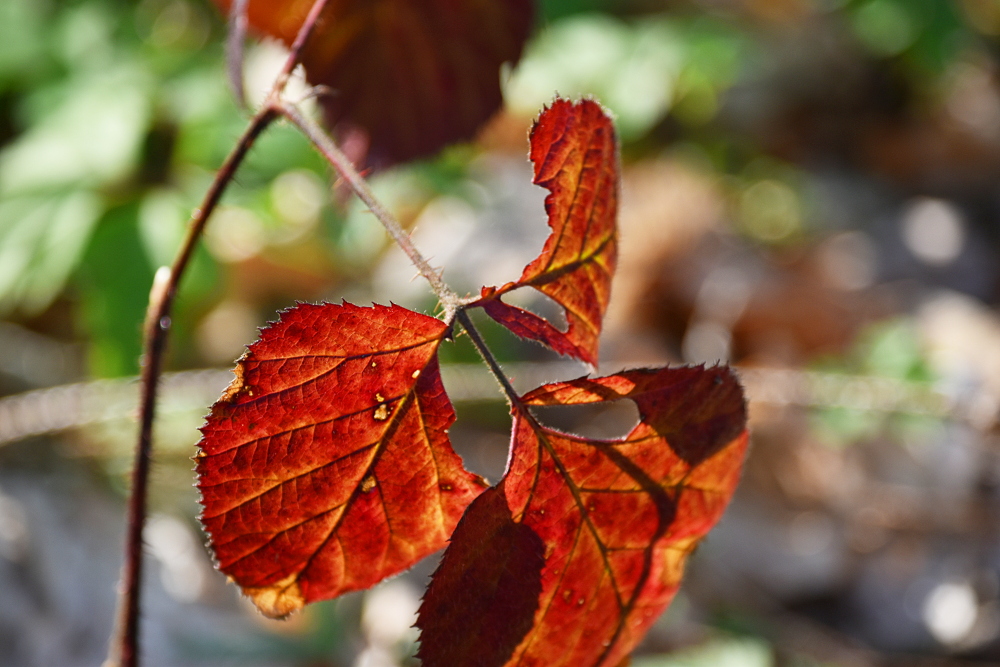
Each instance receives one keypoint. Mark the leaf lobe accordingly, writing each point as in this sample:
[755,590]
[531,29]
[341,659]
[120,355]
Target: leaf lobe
[575,153]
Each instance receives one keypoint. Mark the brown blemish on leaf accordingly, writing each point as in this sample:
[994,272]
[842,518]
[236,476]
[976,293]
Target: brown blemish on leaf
[379,398]
[236,386]
[381,412]
[368,484]
[279,599]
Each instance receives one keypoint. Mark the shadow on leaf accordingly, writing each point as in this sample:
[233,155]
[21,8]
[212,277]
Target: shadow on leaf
[483,597]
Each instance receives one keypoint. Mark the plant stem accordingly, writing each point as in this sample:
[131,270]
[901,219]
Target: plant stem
[124,648]
[295,50]
[234,49]
[342,165]
[124,645]
[487,355]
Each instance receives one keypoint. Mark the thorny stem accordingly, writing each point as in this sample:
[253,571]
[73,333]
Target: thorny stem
[124,646]
[295,51]
[487,355]
[340,162]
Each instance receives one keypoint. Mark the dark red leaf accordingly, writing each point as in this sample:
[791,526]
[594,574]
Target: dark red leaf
[415,75]
[575,153]
[326,466]
[617,518]
[494,567]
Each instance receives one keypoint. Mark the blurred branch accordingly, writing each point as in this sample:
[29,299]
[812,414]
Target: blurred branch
[234,49]
[787,387]
[40,361]
[81,404]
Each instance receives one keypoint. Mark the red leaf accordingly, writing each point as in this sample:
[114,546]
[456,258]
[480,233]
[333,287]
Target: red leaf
[493,569]
[326,466]
[618,518]
[575,153]
[416,75]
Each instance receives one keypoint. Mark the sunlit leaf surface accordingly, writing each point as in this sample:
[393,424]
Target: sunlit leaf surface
[326,465]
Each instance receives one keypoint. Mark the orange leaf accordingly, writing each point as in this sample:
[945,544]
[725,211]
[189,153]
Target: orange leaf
[326,465]
[415,75]
[618,518]
[575,153]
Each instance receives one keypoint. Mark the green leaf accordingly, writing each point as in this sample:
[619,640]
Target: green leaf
[114,282]
[41,242]
[21,40]
[742,652]
[94,137]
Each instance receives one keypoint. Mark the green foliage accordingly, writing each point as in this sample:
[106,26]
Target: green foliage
[641,68]
[722,652]
[888,350]
[929,34]
[114,293]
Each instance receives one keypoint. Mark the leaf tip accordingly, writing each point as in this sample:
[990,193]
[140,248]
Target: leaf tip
[279,599]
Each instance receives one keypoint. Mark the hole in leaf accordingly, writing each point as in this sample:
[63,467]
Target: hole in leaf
[483,449]
[601,421]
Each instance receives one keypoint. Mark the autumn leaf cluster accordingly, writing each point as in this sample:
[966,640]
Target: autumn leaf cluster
[327,467]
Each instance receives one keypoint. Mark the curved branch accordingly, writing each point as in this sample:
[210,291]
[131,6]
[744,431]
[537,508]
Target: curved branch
[124,648]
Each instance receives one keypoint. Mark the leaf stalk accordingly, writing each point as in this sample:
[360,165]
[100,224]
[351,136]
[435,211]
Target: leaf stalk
[484,351]
[346,170]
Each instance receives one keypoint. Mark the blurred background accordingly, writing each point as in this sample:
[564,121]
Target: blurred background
[810,192]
